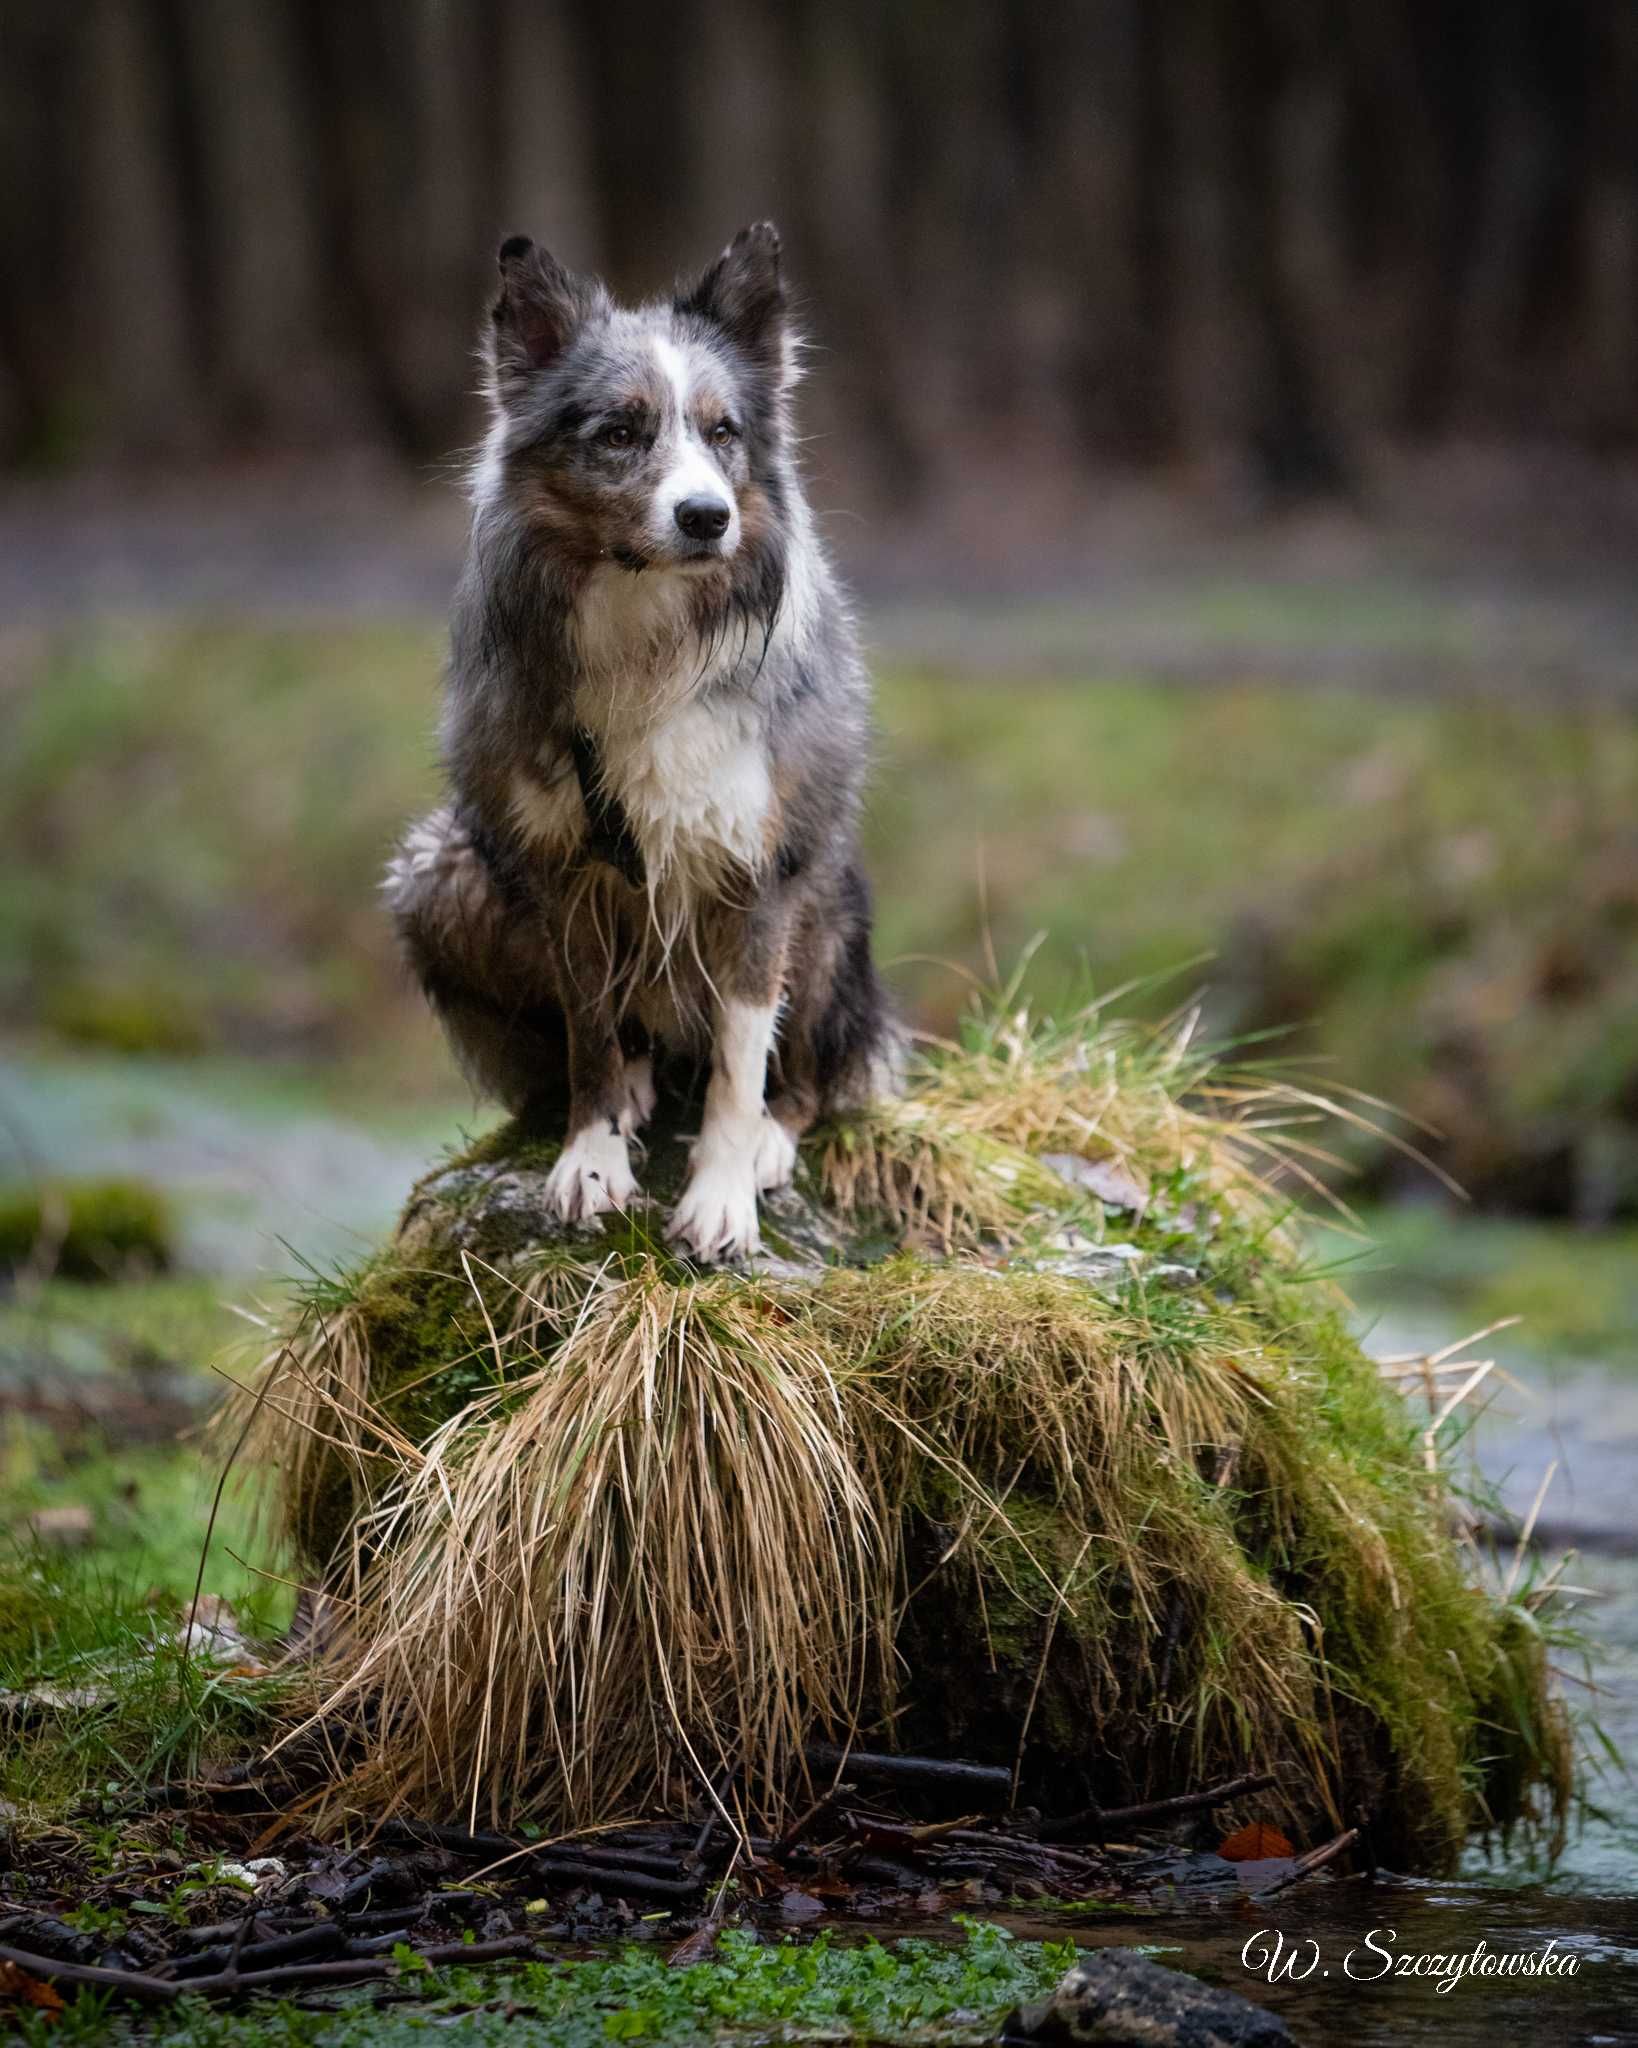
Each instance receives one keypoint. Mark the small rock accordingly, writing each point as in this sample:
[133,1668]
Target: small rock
[61,1528]
[1112,1185]
[800,1906]
[215,1631]
[1118,1999]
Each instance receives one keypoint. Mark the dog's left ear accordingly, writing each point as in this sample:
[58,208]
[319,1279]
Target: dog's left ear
[538,310]
[744,294]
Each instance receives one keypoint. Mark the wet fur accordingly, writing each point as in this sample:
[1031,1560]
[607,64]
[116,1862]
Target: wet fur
[654,748]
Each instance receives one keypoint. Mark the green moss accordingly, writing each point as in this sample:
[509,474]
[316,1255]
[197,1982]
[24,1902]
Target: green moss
[127,1018]
[1408,1693]
[87,1229]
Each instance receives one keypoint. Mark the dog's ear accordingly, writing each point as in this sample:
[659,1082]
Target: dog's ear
[537,312]
[744,294]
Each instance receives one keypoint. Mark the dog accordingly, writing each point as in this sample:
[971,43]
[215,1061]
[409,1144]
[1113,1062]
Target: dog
[655,735]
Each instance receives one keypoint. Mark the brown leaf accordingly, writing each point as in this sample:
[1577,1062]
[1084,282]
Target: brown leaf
[695,1947]
[19,1988]
[1253,1843]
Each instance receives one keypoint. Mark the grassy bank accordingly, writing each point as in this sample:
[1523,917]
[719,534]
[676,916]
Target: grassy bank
[1085,1478]
[1442,897]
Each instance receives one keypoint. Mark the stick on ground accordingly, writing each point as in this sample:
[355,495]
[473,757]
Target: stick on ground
[1098,1820]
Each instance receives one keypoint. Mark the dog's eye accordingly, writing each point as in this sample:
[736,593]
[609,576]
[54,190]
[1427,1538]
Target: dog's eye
[723,432]
[616,436]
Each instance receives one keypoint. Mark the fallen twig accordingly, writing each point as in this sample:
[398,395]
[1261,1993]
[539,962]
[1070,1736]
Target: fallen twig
[1305,1866]
[613,1878]
[281,1948]
[799,1827]
[1099,1819]
[137,1984]
[147,1989]
[931,1772]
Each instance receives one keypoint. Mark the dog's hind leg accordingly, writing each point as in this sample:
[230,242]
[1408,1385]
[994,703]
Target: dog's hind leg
[483,968]
[593,1172]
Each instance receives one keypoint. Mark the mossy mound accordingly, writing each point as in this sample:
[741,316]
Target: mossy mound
[86,1229]
[1032,1442]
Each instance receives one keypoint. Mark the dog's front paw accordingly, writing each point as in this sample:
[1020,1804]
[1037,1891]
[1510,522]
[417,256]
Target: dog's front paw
[592,1176]
[715,1221]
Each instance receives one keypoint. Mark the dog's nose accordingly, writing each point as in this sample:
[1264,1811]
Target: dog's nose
[703,518]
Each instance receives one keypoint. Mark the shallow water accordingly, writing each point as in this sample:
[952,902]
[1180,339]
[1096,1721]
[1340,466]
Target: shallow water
[1344,1942]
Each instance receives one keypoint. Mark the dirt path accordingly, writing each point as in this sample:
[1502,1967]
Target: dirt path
[1474,574]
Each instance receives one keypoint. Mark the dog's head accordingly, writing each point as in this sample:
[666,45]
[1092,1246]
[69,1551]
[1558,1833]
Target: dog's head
[647,438]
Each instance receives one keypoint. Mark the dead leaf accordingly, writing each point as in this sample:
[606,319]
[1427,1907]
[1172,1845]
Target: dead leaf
[1253,1843]
[19,1988]
[694,1948]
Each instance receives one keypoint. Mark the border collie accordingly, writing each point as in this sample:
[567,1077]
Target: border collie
[655,732]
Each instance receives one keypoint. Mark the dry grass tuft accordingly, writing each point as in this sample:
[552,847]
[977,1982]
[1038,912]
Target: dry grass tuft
[646,1552]
[957,1160]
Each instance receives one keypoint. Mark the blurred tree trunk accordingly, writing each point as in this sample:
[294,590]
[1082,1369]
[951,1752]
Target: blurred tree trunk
[1049,235]
[543,129]
[1609,237]
[1275,83]
[41,136]
[137,337]
[263,317]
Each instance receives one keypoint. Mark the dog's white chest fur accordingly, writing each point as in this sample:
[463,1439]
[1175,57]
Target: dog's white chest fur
[688,766]
[695,787]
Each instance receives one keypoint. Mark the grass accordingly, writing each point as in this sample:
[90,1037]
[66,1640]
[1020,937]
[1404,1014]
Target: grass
[127,1708]
[1439,894]
[604,1526]
[92,1614]
[814,1990]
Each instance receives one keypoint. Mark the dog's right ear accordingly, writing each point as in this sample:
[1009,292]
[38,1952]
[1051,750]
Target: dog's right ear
[539,308]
